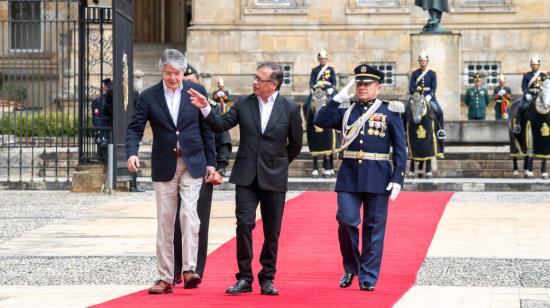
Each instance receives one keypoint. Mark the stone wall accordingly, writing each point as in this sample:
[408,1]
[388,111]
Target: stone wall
[228,38]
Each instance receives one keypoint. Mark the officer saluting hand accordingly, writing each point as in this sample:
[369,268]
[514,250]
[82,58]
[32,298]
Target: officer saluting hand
[369,127]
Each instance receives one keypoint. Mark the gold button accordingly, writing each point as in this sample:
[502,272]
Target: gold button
[360,161]
[361,141]
[174,150]
[362,132]
[177,132]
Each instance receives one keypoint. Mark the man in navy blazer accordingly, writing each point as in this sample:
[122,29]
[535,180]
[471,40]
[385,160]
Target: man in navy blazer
[183,154]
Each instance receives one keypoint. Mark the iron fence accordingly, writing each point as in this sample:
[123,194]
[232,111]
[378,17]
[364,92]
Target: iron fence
[45,125]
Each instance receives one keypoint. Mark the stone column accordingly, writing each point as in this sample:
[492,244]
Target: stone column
[444,52]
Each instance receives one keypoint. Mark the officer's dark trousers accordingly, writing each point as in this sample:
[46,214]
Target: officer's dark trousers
[204,204]
[375,212]
[272,206]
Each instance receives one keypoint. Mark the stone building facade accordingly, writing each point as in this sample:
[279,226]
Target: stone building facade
[228,38]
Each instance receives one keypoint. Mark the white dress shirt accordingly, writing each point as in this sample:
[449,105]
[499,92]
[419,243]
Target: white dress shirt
[266,108]
[173,99]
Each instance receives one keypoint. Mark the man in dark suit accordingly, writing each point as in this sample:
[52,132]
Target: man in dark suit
[366,177]
[204,204]
[271,137]
[183,153]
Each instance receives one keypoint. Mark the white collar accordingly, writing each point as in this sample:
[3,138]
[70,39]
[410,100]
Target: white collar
[167,90]
[270,100]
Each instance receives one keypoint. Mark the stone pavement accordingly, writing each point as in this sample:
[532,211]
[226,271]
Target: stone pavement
[60,249]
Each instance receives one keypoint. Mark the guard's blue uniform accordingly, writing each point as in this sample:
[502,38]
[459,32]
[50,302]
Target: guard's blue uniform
[364,181]
[328,75]
[427,85]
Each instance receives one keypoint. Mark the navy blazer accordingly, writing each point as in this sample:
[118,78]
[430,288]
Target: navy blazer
[370,176]
[196,140]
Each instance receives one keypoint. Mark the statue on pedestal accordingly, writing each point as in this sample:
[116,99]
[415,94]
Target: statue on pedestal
[435,9]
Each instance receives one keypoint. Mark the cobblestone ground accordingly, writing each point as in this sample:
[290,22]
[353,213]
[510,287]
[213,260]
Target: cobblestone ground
[490,250]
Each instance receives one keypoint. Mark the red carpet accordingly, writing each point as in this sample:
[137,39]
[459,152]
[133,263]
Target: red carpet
[309,265]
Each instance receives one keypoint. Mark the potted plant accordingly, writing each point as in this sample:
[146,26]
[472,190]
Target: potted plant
[16,95]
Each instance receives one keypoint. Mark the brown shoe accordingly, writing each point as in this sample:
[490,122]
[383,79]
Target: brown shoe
[160,287]
[191,280]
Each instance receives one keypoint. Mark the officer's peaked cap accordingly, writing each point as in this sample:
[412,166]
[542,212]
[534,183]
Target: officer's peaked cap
[367,73]
[190,70]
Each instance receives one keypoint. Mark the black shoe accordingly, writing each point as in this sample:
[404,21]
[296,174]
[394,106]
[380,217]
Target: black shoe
[346,280]
[268,288]
[241,286]
[177,279]
[365,286]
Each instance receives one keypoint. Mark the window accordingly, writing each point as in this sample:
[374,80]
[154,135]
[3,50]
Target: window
[481,2]
[482,6]
[287,74]
[25,25]
[388,68]
[378,2]
[361,7]
[273,7]
[275,2]
[488,70]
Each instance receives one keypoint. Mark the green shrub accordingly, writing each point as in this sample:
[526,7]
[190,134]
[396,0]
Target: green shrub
[15,93]
[39,125]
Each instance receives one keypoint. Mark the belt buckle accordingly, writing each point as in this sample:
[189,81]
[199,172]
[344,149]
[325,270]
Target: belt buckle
[360,155]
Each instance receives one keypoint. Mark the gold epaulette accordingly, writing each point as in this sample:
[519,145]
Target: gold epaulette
[395,106]
[525,72]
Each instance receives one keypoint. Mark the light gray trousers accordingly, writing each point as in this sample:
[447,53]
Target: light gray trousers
[167,201]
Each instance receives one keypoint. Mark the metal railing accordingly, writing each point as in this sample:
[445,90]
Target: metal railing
[45,129]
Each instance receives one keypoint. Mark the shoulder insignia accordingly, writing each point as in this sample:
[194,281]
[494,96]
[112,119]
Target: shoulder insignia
[212,102]
[395,106]
[431,69]
[525,72]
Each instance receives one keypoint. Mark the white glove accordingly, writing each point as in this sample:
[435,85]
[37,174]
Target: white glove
[428,98]
[344,95]
[501,93]
[395,189]
[220,94]
[330,91]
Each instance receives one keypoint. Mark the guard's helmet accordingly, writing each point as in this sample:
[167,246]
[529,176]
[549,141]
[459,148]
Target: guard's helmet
[423,56]
[534,59]
[221,82]
[501,77]
[322,54]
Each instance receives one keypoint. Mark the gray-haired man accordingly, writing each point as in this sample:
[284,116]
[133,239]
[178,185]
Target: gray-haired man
[183,153]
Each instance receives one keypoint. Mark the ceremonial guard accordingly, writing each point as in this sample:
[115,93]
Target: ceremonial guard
[530,85]
[477,99]
[502,95]
[321,142]
[370,127]
[102,117]
[221,96]
[424,81]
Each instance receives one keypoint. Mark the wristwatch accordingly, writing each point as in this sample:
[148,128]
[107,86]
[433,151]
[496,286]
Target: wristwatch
[221,171]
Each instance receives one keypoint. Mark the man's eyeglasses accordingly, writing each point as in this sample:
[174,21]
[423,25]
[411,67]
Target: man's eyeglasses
[259,79]
[171,74]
